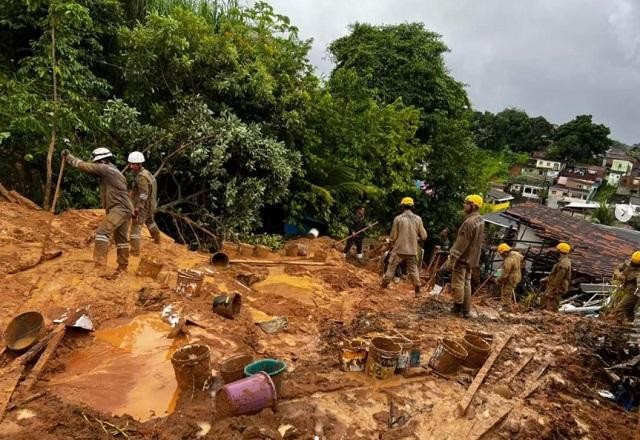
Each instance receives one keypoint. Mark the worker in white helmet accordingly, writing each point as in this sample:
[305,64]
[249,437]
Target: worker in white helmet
[115,201]
[144,198]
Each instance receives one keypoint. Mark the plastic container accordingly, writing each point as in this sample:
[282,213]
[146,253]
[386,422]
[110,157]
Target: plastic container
[149,267]
[447,357]
[383,358]
[353,356]
[275,368]
[227,305]
[488,337]
[192,367]
[232,369]
[220,259]
[246,396]
[313,233]
[189,282]
[478,351]
[24,331]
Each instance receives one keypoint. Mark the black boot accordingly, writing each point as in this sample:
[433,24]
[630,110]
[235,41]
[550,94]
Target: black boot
[466,315]
[456,309]
[417,290]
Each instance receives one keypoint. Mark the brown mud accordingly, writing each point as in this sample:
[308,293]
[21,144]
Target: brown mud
[119,379]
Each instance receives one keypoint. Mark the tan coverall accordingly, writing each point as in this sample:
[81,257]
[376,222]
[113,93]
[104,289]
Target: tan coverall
[629,276]
[144,198]
[557,283]
[511,276]
[116,203]
[464,256]
[407,228]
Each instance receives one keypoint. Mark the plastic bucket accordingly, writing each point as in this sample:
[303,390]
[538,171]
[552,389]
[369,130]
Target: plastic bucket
[313,233]
[488,337]
[246,396]
[383,358]
[149,267]
[227,305]
[24,331]
[192,366]
[478,351]
[353,356]
[261,251]
[447,356]
[405,352]
[189,282]
[275,368]
[220,259]
[232,369]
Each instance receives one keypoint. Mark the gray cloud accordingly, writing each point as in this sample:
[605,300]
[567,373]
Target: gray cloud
[552,58]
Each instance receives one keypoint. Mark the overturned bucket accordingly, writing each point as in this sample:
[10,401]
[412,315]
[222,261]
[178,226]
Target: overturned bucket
[24,331]
[220,259]
[232,369]
[478,351]
[246,396]
[383,358]
[447,356]
[189,282]
[149,267]
[353,356]
[227,305]
[275,368]
[192,367]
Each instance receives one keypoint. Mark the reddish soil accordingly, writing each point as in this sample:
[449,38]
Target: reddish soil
[105,384]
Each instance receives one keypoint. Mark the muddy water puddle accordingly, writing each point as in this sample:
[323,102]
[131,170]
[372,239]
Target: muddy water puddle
[126,370]
[300,288]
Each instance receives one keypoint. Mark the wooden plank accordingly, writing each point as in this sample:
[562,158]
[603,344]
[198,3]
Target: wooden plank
[284,262]
[35,373]
[34,351]
[9,378]
[482,374]
[521,367]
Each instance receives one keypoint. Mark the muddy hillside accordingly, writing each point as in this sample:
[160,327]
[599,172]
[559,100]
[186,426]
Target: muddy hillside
[537,375]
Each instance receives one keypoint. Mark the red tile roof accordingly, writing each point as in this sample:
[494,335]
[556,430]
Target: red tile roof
[597,250]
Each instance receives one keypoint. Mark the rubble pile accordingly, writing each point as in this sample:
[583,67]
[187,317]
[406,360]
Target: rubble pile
[547,374]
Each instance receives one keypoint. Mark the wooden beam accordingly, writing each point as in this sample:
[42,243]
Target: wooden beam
[9,378]
[35,373]
[482,374]
[521,367]
[283,262]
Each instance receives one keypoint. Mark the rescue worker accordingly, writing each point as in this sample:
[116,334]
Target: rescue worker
[511,273]
[407,229]
[628,276]
[559,279]
[144,198]
[357,224]
[115,201]
[464,255]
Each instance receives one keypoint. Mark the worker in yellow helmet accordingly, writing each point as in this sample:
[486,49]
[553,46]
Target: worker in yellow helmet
[407,229]
[464,255]
[511,273]
[559,279]
[627,275]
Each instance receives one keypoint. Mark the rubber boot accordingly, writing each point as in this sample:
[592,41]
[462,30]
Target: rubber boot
[100,251]
[123,256]
[135,246]
[416,289]
[466,307]
[155,234]
[456,309]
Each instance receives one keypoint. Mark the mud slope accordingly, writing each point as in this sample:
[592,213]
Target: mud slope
[118,381]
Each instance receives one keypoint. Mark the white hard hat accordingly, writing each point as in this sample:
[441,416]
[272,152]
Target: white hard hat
[101,153]
[136,157]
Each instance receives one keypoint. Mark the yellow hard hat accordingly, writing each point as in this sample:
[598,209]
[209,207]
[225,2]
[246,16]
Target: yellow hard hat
[407,201]
[564,248]
[635,257]
[503,247]
[474,199]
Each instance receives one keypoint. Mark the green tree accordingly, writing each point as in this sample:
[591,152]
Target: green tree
[580,140]
[511,129]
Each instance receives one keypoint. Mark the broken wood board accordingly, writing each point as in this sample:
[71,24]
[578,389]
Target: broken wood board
[34,374]
[9,378]
[482,374]
[521,367]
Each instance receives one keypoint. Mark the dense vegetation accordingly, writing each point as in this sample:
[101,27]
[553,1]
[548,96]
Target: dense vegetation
[241,132]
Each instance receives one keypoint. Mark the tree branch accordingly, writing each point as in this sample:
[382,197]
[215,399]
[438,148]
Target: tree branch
[191,223]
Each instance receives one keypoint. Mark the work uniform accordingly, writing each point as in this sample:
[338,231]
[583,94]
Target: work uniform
[116,203]
[406,230]
[511,276]
[557,283]
[144,198]
[357,224]
[464,256]
[628,275]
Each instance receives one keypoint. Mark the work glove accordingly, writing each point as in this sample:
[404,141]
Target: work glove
[64,153]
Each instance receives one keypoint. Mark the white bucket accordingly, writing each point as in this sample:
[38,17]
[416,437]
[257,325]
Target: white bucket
[313,233]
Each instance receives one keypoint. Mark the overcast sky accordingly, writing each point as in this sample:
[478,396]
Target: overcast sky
[555,58]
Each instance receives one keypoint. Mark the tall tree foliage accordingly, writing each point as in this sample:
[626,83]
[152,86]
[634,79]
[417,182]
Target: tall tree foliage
[580,140]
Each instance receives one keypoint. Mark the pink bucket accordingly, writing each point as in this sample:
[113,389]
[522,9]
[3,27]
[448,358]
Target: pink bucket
[246,396]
